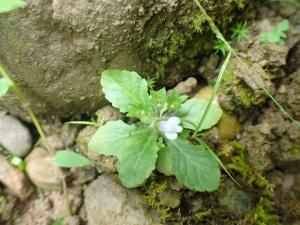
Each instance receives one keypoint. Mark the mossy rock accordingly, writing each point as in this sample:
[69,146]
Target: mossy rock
[242,86]
[55,50]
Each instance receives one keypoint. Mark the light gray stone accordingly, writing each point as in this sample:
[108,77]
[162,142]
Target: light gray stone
[108,203]
[14,136]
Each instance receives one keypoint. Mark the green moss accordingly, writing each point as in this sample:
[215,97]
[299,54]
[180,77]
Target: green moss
[201,215]
[151,195]
[262,214]
[242,95]
[295,149]
[174,47]
[251,176]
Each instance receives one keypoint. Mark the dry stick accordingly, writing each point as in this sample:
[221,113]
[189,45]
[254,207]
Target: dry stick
[254,75]
[38,126]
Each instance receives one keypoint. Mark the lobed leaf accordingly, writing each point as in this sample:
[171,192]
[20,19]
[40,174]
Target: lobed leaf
[135,147]
[9,5]
[193,110]
[69,159]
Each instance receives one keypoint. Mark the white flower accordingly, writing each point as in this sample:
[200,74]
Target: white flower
[170,127]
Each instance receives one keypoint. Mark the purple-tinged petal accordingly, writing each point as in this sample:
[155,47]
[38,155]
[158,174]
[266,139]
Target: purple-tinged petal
[162,126]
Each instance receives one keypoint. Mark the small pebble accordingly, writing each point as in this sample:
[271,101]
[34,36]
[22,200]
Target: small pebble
[14,179]
[41,170]
[14,136]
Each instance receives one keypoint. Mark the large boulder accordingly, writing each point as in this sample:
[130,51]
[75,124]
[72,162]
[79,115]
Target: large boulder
[55,50]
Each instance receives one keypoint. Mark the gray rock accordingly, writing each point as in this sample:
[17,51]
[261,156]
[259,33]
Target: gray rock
[52,207]
[105,163]
[14,179]
[256,140]
[14,136]
[41,170]
[170,198]
[73,220]
[233,199]
[108,203]
[7,205]
[58,62]
[185,87]
[108,113]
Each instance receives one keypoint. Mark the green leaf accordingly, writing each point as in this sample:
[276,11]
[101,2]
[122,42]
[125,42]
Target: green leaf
[9,5]
[175,100]
[193,166]
[69,159]
[124,89]
[276,35]
[18,162]
[193,110]
[283,25]
[159,100]
[4,86]
[135,147]
[164,162]
[273,37]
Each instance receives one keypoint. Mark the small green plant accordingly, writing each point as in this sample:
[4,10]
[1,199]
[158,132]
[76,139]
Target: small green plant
[277,34]
[240,31]
[157,140]
[220,47]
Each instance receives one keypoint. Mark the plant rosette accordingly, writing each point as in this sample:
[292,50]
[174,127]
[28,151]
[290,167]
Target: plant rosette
[160,140]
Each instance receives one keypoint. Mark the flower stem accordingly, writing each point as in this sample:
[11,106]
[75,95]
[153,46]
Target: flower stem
[213,95]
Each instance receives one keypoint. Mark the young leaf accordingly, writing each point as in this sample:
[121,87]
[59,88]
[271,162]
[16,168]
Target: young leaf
[193,110]
[4,86]
[69,159]
[159,100]
[283,25]
[18,162]
[9,5]
[135,147]
[124,89]
[175,100]
[193,166]
[276,35]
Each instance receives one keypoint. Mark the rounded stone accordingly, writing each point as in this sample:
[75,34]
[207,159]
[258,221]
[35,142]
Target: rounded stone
[229,126]
[108,203]
[41,170]
[14,136]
